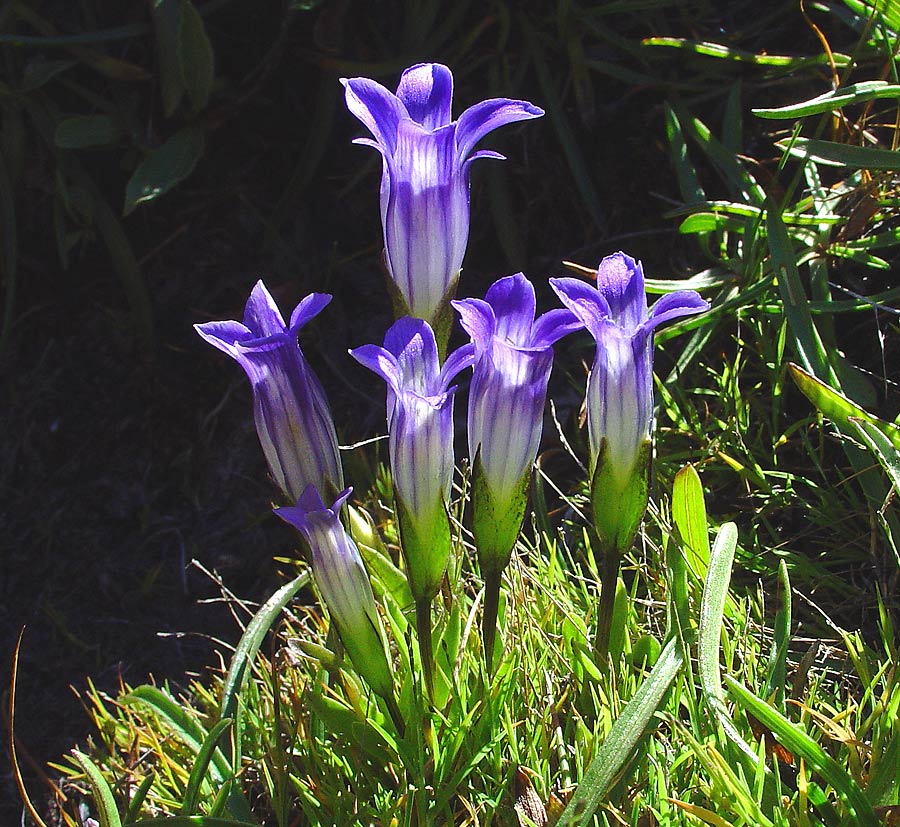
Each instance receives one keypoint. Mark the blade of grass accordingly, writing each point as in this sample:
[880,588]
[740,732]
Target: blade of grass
[828,102]
[583,179]
[201,764]
[841,155]
[879,444]
[103,797]
[801,745]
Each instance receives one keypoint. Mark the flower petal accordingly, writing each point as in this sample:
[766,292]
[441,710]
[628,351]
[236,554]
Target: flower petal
[621,281]
[379,109]
[307,309]
[461,358]
[261,314]
[426,90]
[225,335]
[584,301]
[477,318]
[379,361]
[412,341]
[550,327]
[486,116]
[513,301]
[675,305]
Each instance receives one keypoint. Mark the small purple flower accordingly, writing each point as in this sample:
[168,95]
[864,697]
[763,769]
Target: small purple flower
[292,417]
[620,386]
[344,584]
[513,359]
[420,431]
[425,178]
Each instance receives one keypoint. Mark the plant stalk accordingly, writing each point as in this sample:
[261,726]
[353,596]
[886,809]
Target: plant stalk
[489,618]
[426,649]
[609,578]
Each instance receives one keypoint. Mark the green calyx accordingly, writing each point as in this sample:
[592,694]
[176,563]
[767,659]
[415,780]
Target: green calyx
[425,542]
[618,507]
[496,523]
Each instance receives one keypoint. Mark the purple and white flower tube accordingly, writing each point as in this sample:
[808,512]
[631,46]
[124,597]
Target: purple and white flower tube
[513,359]
[343,582]
[420,432]
[425,178]
[620,386]
[292,416]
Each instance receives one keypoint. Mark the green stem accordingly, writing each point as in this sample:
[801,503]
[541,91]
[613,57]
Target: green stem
[489,618]
[396,714]
[426,650]
[609,578]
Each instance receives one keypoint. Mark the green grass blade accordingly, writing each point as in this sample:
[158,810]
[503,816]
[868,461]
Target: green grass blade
[252,639]
[201,764]
[741,55]
[855,93]
[137,800]
[777,666]
[886,453]
[835,154]
[582,178]
[692,191]
[103,797]
[838,408]
[626,732]
[807,341]
[802,746]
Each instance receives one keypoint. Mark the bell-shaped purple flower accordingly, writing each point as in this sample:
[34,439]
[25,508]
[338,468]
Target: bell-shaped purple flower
[343,583]
[425,178]
[420,438]
[620,386]
[292,417]
[513,359]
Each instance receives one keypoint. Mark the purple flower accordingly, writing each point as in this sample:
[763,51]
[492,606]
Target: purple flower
[425,178]
[420,432]
[343,583]
[289,405]
[620,386]
[513,358]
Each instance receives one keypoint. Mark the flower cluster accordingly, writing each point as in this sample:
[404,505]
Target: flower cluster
[425,216]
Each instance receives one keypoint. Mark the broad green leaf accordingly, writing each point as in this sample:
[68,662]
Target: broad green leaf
[689,513]
[624,736]
[802,746]
[712,607]
[195,56]
[886,452]
[838,408]
[103,797]
[165,167]
[828,102]
[84,131]
[835,154]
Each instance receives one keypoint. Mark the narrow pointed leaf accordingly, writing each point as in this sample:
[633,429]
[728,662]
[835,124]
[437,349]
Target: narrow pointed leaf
[801,745]
[625,734]
[103,797]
